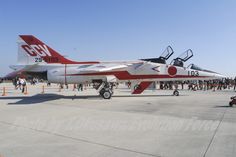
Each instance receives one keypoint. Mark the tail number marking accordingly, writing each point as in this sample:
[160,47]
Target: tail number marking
[37,60]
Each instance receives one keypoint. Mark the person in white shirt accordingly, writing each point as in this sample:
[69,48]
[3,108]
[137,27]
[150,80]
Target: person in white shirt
[23,84]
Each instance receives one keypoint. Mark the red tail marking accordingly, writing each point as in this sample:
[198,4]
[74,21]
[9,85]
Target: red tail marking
[29,50]
[37,47]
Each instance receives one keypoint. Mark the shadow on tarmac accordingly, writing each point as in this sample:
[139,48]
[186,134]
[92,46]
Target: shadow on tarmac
[41,98]
[223,106]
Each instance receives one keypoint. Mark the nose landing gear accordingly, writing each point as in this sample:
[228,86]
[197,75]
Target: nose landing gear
[176,93]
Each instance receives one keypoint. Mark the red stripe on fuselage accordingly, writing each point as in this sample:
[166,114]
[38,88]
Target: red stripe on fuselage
[125,75]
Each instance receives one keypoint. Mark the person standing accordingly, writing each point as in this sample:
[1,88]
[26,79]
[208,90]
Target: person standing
[234,83]
[23,84]
[80,87]
[14,81]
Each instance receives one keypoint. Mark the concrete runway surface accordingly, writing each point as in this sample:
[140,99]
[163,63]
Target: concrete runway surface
[71,123]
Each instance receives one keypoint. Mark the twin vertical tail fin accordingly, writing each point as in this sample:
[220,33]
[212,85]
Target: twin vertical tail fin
[31,50]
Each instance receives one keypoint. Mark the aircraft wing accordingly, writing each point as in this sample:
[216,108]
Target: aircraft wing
[102,68]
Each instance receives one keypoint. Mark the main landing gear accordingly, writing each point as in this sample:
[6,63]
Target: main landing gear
[105,90]
[176,93]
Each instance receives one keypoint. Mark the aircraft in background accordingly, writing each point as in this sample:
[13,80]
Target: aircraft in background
[36,58]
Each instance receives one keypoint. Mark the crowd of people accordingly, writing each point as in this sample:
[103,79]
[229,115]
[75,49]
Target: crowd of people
[200,85]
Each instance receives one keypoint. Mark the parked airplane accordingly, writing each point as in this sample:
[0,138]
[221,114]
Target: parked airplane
[36,58]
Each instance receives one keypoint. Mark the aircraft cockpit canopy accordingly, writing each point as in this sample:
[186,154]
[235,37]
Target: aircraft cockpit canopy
[179,61]
[164,56]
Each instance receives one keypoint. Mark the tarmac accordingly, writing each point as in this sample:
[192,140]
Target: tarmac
[154,124]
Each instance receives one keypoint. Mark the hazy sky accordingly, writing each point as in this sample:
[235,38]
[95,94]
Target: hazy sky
[124,29]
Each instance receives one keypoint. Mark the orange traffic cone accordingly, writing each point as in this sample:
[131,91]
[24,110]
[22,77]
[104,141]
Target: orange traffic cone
[43,91]
[74,87]
[4,91]
[26,90]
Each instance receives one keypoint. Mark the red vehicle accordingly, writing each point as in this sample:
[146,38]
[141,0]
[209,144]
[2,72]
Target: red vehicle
[233,101]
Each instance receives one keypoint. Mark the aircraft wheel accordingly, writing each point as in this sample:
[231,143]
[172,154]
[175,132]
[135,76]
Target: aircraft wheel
[176,93]
[107,94]
[230,104]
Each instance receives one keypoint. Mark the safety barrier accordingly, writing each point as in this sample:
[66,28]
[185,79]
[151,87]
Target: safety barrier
[45,89]
[9,90]
[58,88]
[6,90]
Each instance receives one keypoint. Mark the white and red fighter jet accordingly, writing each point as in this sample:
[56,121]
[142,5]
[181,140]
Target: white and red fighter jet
[36,58]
